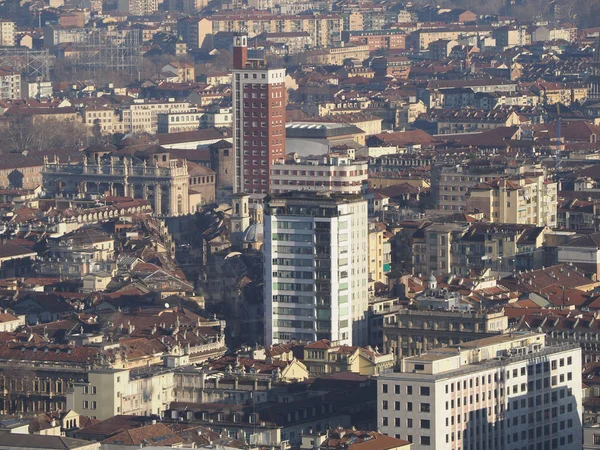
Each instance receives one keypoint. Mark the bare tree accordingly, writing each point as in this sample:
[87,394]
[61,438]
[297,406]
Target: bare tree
[25,133]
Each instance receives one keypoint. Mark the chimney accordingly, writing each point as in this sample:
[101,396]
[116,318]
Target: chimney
[240,51]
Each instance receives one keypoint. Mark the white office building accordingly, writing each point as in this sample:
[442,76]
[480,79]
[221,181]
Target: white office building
[316,268]
[509,392]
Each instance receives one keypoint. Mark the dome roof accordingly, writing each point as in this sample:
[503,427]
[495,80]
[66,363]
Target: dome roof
[432,278]
[254,233]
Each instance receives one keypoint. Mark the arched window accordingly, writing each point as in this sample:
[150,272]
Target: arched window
[237,208]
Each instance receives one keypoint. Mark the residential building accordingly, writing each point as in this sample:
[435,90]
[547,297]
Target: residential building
[499,247]
[259,99]
[36,89]
[107,118]
[411,332]
[316,268]
[141,116]
[79,253]
[10,84]
[583,252]
[138,7]
[508,392]
[332,172]
[432,248]
[529,199]
[7,33]
[380,252]
[511,36]
[27,441]
[178,121]
[450,184]
[391,39]
[16,260]
[109,392]
[219,117]
[324,357]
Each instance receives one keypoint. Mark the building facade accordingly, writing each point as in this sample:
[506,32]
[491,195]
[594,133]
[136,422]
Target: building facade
[510,392]
[334,173]
[411,332]
[154,176]
[259,98]
[316,268]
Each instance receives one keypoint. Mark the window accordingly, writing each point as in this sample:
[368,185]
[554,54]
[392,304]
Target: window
[424,390]
[384,421]
[409,406]
[409,423]
[426,424]
[384,388]
[86,390]
[397,389]
[93,390]
[85,404]
[425,440]
[385,404]
[425,407]
[408,390]
[93,405]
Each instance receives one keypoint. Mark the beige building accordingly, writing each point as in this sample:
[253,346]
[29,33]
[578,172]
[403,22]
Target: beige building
[324,357]
[521,200]
[380,252]
[334,173]
[148,173]
[138,7]
[110,392]
[7,33]
[106,117]
[410,332]
[432,248]
[334,56]
[142,116]
[179,121]
[504,392]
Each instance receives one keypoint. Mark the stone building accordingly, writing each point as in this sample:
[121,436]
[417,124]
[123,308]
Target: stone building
[412,332]
[137,171]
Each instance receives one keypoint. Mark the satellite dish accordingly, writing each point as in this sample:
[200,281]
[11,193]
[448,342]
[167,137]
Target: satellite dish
[166,305]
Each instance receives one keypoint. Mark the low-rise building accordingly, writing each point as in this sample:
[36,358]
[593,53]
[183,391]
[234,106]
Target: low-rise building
[178,121]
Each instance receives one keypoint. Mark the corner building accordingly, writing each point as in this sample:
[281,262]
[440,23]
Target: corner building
[259,97]
[509,392]
[316,268]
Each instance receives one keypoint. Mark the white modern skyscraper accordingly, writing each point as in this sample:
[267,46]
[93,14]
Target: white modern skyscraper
[316,268]
[509,392]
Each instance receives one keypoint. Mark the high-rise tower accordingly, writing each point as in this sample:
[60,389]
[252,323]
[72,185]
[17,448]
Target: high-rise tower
[259,98]
[316,268]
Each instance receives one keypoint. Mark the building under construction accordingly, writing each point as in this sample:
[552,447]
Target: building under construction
[92,50]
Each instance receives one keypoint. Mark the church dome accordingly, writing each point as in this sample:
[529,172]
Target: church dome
[254,233]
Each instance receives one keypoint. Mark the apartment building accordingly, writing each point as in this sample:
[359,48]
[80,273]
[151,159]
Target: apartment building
[10,84]
[332,172]
[391,39]
[316,268]
[324,357]
[421,38]
[142,116]
[179,121]
[450,184]
[507,392]
[106,117]
[138,7]
[529,199]
[324,29]
[432,248]
[380,252]
[500,247]
[109,392]
[7,33]
[411,332]
[259,98]
[79,253]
